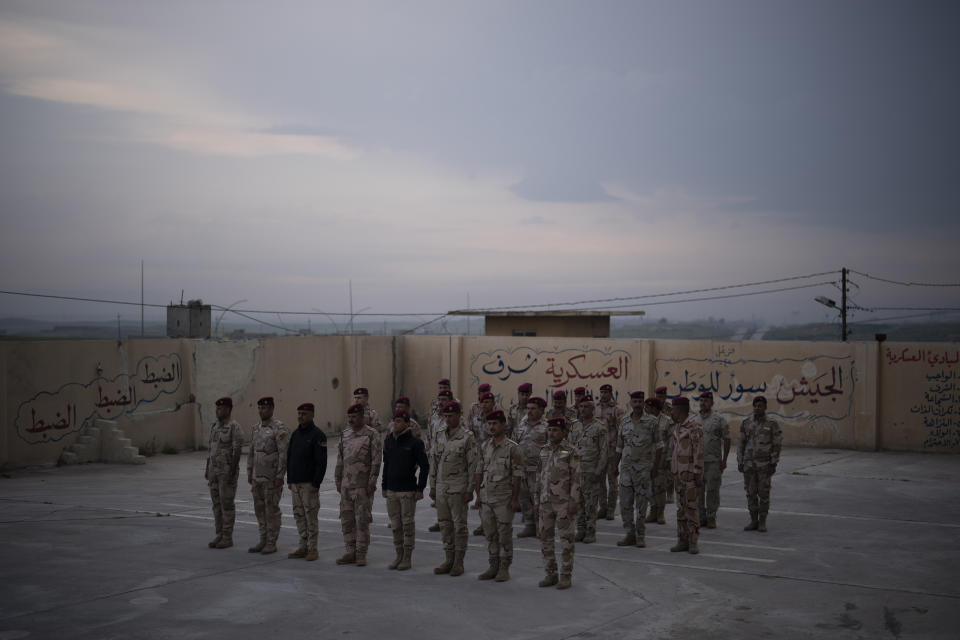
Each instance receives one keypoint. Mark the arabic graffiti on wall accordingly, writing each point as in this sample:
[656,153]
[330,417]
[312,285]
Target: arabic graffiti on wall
[938,409]
[817,391]
[49,416]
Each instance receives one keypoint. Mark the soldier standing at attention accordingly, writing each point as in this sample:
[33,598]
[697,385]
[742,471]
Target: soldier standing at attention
[532,437]
[437,427]
[716,448]
[478,422]
[578,394]
[559,491]
[454,465]
[402,486]
[306,466]
[361,396]
[591,442]
[638,456]
[358,465]
[610,414]
[403,404]
[498,481]
[654,408]
[223,469]
[758,453]
[687,470]
[518,410]
[266,467]
[661,395]
[560,408]
[476,408]
[436,405]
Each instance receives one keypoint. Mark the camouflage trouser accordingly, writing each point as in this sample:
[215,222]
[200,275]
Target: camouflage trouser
[757,484]
[556,516]
[608,488]
[401,508]
[638,494]
[497,520]
[266,504]
[662,487]
[356,511]
[688,512]
[589,498]
[452,515]
[223,488]
[306,506]
[528,497]
[710,492]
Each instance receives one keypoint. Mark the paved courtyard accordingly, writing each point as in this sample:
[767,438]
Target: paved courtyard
[861,545]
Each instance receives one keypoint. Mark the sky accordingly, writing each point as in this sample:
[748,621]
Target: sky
[513,153]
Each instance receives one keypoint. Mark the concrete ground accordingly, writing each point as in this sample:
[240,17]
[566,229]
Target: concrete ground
[861,545]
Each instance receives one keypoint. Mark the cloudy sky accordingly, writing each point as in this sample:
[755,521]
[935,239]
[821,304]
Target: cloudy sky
[518,152]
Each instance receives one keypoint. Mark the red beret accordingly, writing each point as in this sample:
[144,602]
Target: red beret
[402,400]
[580,390]
[653,402]
[526,387]
[487,396]
[680,401]
[445,381]
[757,399]
[586,398]
[451,407]
[361,391]
[265,401]
[225,402]
[606,387]
[559,394]
[355,408]
[660,390]
[537,400]
[446,393]
[483,388]
[637,395]
[496,416]
[557,422]
[306,406]
[401,415]
[706,394]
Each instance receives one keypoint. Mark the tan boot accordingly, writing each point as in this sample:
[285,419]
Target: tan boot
[565,582]
[269,548]
[712,523]
[361,560]
[660,518]
[610,515]
[653,516]
[299,553]
[682,545]
[447,564]
[348,558]
[225,543]
[590,538]
[257,548]
[398,559]
[529,531]
[549,580]
[312,555]
[435,527]
[762,525]
[405,561]
[753,525]
[641,542]
[478,531]
[628,540]
[457,568]
[580,536]
[492,570]
[213,543]
[503,573]
[693,548]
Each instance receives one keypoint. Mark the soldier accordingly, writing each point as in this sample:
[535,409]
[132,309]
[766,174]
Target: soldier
[266,467]
[403,454]
[654,407]
[590,439]
[361,396]
[437,426]
[758,453]
[661,395]
[358,465]
[716,448]
[687,467]
[560,408]
[638,457]
[476,411]
[531,438]
[306,466]
[478,422]
[611,415]
[518,410]
[578,394]
[454,465]
[223,468]
[498,481]
[403,404]
[558,471]
[436,405]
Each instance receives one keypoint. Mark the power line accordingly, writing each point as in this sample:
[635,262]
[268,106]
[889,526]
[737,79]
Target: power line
[730,295]
[420,326]
[914,315]
[906,284]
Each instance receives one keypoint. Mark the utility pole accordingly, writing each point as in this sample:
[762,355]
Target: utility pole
[350,284]
[141,298]
[843,304]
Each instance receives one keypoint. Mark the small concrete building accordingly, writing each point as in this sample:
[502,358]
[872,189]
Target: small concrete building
[191,320]
[561,324]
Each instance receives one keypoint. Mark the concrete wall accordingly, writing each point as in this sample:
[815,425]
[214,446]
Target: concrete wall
[826,394]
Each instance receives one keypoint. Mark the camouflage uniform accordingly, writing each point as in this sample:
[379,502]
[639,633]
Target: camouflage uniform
[569,414]
[371,419]
[223,467]
[758,452]
[716,431]
[558,471]
[515,416]
[267,465]
[478,425]
[452,469]
[687,468]
[592,444]
[499,465]
[663,483]
[359,455]
[637,443]
[611,415]
[531,439]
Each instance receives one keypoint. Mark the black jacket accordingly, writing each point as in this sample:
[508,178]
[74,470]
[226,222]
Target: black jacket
[307,455]
[401,457]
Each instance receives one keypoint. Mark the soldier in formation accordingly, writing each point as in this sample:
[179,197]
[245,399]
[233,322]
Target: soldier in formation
[665,410]
[610,413]
[758,453]
[716,448]
[498,482]
[558,472]
[687,467]
[405,473]
[638,456]
[361,396]
[531,438]
[266,468]
[359,454]
[590,438]
[223,470]
[306,466]
[654,408]
[518,409]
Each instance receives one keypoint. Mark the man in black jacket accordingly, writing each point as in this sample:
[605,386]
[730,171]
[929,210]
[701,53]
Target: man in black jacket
[403,453]
[306,464]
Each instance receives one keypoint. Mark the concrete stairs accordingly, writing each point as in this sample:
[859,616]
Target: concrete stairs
[103,441]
